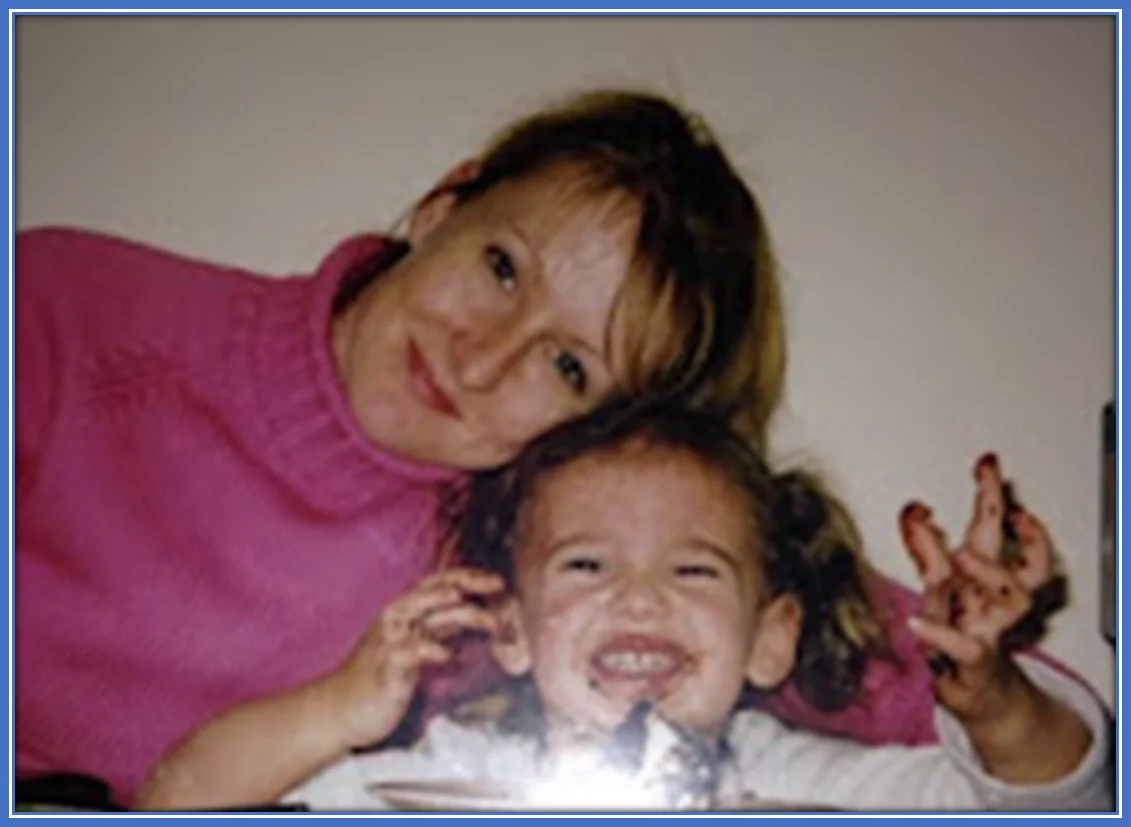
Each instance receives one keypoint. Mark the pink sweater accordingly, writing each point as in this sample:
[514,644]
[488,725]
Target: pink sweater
[199,521]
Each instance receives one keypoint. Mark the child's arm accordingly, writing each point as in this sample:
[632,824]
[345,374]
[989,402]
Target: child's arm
[778,763]
[1011,737]
[255,752]
[1019,732]
[974,597]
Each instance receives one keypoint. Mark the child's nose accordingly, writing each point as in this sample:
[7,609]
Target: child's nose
[641,597]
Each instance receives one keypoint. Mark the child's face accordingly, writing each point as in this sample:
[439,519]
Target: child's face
[638,579]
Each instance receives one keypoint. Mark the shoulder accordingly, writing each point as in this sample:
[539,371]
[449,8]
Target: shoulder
[50,260]
[89,293]
[80,276]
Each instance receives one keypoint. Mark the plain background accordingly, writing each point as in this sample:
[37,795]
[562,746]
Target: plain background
[941,190]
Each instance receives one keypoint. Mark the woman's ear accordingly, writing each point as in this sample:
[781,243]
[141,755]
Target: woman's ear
[438,204]
[509,645]
[774,653]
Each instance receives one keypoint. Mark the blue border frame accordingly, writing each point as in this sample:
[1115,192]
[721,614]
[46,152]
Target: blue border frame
[627,9]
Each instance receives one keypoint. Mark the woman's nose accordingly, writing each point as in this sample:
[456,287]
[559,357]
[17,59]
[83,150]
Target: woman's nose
[483,358]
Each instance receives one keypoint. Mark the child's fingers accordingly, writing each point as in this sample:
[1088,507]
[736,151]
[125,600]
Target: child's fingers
[1003,590]
[1034,567]
[472,581]
[403,614]
[427,650]
[448,621]
[948,640]
[925,542]
[938,602]
[984,533]
[990,625]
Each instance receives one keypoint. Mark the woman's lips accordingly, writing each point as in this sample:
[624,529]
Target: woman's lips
[424,385]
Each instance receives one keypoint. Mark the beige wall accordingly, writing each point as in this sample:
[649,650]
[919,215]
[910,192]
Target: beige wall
[941,190]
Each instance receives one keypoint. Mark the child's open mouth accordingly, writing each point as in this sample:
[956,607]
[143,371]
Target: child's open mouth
[637,666]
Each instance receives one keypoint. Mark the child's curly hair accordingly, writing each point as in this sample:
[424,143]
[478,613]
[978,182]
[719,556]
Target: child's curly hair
[799,526]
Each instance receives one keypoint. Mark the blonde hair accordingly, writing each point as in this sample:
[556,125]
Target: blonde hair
[704,322]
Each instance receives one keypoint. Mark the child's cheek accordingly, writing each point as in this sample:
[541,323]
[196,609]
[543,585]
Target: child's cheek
[566,599]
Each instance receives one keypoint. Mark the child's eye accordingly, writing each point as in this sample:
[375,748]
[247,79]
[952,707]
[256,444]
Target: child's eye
[698,570]
[569,367]
[502,266]
[583,564]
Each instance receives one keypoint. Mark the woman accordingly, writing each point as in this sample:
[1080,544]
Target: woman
[221,478]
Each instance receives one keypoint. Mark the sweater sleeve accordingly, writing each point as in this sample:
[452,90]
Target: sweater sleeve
[777,763]
[37,364]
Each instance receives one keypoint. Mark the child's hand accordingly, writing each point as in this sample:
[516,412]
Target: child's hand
[376,684]
[975,594]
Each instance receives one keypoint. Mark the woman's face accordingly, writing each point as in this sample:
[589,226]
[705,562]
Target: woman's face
[496,327]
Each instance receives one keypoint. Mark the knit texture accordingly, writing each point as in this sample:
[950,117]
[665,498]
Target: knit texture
[199,519]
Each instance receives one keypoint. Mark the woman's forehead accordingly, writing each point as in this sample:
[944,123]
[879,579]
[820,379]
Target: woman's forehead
[564,212]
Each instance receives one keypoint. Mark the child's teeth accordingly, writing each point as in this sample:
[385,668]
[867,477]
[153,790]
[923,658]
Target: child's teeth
[636,661]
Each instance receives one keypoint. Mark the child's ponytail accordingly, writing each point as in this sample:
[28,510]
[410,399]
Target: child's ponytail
[818,558]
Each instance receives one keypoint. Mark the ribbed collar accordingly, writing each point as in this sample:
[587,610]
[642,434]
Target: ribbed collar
[301,416]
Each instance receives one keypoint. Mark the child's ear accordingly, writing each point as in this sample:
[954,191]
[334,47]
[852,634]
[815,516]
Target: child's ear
[438,204]
[774,652]
[509,645]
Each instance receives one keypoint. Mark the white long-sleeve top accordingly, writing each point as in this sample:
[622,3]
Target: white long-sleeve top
[769,762]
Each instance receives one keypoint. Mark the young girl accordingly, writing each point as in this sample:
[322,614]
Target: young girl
[657,561]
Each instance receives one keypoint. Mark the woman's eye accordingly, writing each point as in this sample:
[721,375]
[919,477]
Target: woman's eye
[698,570]
[569,367]
[584,564]
[502,266]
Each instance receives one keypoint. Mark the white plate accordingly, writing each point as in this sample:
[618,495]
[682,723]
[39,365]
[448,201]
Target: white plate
[463,796]
[445,796]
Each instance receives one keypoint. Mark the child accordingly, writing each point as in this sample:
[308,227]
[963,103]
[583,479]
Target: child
[655,561]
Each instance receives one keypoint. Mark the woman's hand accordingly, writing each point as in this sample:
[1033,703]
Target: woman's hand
[977,594]
[376,684]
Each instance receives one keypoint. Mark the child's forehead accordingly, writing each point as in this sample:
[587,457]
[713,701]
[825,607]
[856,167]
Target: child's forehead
[644,455]
[624,464]
[606,483]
